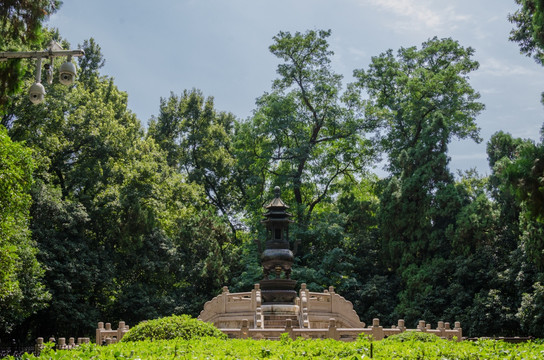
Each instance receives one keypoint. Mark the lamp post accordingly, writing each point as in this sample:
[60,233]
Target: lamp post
[67,71]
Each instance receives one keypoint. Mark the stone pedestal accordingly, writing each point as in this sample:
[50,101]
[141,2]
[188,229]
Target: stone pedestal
[281,291]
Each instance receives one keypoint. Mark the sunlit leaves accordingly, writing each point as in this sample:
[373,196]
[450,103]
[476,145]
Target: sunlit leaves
[21,292]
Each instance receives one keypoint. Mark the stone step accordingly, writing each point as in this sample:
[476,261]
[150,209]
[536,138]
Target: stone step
[275,316]
[278,324]
[292,313]
[280,317]
[283,323]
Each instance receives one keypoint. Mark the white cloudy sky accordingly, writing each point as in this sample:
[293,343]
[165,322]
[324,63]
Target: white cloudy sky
[221,47]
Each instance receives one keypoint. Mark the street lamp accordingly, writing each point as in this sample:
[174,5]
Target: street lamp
[67,71]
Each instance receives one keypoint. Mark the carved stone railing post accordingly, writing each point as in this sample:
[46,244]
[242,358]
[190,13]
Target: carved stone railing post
[304,323]
[377,330]
[225,298]
[442,329]
[121,330]
[61,345]
[259,316]
[99,332]
[289,328]
[459,330]
[245,329]
[333,334]
[421,326]
[39,346]
[334,300]
[401,326]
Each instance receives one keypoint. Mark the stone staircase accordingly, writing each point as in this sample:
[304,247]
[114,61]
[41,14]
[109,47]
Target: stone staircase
[277,321]
[276,315]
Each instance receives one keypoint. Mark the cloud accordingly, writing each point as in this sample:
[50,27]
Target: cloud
[472,156]
[357,53]
[419,15]
[496,67]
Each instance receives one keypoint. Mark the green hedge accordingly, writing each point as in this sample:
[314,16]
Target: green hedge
[172,327]
[413,336]
[363,348]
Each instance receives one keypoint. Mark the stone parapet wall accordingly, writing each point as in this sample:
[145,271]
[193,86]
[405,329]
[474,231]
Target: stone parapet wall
[376,332]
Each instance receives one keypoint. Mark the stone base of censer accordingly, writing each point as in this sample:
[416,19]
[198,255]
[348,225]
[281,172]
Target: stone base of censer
[278,290]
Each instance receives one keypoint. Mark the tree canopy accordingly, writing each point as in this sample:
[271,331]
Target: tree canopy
[529,31]
[306,132]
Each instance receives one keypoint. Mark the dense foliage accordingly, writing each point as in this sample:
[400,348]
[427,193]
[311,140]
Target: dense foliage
[210,348]
[172,327]
[112,221]
[21,292]
[20,30]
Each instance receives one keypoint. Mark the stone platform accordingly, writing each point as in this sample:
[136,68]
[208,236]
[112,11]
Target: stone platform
[309,310]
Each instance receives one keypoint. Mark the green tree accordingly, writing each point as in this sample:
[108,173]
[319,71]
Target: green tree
[517,175]
[526,172]
[529,31]
[306,133]
[81,136]
[306,136]
[197,140]
[21,293]
[123,234]
[73,276]
[374,294]
[91,63]
[421,99]
[20,30]
[530,311]
[499,257]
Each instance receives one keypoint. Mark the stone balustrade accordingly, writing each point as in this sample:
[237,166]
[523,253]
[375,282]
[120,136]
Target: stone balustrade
[376,331]
[60,344]
[105,335]
[227,309]
[317,308]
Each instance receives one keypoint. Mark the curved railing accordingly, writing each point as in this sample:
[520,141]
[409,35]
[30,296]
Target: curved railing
[317,308]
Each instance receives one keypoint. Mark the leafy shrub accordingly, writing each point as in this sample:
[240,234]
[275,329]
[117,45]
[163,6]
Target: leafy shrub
[414,336]
[172,327]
